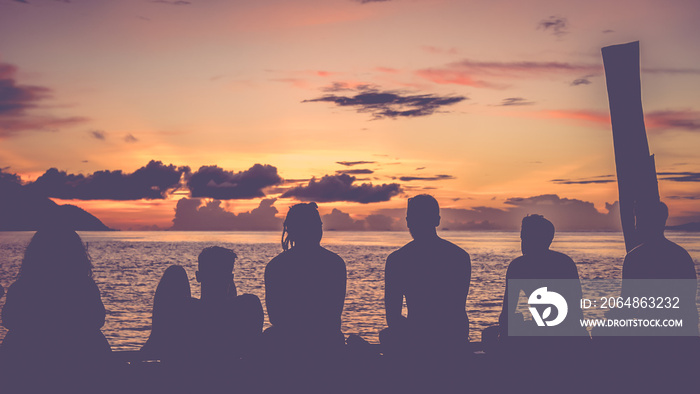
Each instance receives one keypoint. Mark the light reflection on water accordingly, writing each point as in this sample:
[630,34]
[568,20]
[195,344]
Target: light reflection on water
[128,266]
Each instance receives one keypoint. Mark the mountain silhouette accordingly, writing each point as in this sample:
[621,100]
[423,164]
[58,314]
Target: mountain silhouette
[22,210]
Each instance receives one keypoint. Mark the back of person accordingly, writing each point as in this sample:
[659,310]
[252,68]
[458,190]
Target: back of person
[434,279]
[172,316]
[433,276]
[225,326]
[54,314]
[307,286]
[660,268]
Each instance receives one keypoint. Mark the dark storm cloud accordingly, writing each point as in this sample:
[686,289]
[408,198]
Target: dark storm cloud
[215,182]
[341,188]
[149,182]
[387,104]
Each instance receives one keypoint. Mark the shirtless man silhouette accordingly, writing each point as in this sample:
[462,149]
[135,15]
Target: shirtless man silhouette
[433,276]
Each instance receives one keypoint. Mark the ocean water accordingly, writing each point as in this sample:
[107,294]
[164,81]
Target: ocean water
[128,266]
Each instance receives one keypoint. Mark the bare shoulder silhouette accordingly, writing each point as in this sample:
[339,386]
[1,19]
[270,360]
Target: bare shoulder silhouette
[433,276]
[305,284]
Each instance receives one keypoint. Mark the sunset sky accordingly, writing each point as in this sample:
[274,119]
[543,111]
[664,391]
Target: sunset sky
[497,108]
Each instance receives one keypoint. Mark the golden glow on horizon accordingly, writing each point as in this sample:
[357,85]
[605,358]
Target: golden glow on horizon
[229,90]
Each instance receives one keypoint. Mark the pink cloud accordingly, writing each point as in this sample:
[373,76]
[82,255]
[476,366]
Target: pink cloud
[589,116]
[655,121]
[473,73]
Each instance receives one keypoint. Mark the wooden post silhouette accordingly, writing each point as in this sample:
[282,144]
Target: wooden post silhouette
[636,170]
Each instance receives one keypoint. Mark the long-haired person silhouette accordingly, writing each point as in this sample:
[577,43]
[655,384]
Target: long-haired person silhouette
[54,313]
[305,285]
[172,309]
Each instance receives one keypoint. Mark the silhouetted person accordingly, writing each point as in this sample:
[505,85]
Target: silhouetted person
[668,361]
[54,314]
[172,310]
[563,349]
[228,326]
[305,286]
[304,295]
[433,276]
[658,258]
[538,262]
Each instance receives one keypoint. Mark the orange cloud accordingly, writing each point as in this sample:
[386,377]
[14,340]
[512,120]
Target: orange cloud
[597,117]
[455,77]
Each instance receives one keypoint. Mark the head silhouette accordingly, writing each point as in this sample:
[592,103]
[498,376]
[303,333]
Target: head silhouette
[650,220]
[215,271]
[172,292]
[55,254]
[536,234]
[422,216]
[302,226]
[174,287]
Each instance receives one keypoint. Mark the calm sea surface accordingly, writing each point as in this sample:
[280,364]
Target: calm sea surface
[128,266]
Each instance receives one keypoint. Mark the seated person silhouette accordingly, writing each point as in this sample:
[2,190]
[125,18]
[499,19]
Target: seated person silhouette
[658,258]
[433,276]
[54,313]
[225,326]
[540,264]
[560,349]
[305,288]
[172,309]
